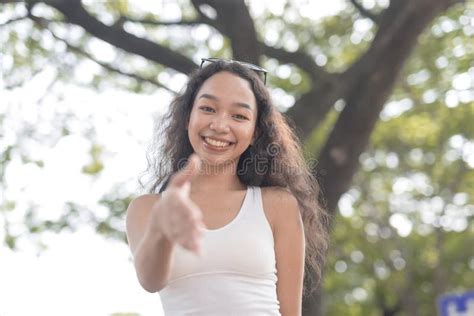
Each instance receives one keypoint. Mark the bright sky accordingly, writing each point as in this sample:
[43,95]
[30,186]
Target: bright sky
[81,273]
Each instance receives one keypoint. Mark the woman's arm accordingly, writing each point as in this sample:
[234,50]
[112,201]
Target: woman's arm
[156,223]
[289,239]
[151,251]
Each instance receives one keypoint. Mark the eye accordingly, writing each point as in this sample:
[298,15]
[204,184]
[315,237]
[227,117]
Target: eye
[206,109]
[241,117]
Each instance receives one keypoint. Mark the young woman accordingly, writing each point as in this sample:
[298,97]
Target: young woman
[237,214]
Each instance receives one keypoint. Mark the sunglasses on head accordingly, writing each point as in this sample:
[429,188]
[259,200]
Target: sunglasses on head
[250,66]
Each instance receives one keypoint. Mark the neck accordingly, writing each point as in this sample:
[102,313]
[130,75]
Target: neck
[217,178]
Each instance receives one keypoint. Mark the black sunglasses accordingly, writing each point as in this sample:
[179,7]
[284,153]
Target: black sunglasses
[250,66]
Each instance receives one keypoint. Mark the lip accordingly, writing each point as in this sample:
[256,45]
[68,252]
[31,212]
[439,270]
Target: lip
[215,148]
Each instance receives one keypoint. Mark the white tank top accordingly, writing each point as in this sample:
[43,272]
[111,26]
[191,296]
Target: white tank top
[236,273]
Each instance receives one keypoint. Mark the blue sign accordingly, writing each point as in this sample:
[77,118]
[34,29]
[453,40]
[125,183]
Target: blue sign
[457,304]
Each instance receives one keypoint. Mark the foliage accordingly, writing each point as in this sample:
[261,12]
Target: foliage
[405,228]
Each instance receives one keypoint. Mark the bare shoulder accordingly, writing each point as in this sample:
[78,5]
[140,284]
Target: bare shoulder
[279,205]
[278,198]
[139,210]
[142,204]
[138,213]
[144,199]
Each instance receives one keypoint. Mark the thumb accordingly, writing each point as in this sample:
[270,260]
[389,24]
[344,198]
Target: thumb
[187,173]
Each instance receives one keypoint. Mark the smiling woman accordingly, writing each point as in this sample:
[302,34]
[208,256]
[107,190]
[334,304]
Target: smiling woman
[237,213]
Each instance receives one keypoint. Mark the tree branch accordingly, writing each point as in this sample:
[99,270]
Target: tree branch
[112,68]
[311,108]
[197,5]
[300,59]
[160,23]
[44,23]
[76,14]
[401,14]
[234,20]
[14,20]
[364,12]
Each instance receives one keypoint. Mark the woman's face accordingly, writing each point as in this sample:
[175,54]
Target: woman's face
[223,118]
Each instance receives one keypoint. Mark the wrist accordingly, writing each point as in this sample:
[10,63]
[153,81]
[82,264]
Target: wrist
[155,234]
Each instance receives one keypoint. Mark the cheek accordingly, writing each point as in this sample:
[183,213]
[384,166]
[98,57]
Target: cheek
[247,133]
[193,122]
[191,127]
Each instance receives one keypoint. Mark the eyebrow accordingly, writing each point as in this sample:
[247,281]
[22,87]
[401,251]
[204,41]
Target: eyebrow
[214,98]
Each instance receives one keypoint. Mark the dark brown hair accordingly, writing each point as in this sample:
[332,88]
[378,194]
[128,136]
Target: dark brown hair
[274,159]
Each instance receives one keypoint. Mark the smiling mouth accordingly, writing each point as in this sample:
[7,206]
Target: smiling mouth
[216,143]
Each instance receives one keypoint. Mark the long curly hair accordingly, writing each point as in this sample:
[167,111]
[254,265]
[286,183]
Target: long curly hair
[274,159]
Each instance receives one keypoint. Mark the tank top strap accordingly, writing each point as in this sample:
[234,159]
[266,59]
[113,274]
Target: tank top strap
[253,210]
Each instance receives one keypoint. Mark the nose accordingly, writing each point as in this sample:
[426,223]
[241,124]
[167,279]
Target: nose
[219,125]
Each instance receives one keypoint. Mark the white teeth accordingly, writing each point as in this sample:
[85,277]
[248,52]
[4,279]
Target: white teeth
[216,143]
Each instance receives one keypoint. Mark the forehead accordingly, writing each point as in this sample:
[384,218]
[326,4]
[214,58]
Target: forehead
[229,88]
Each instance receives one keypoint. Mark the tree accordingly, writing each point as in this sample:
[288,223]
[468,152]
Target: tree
[340,76]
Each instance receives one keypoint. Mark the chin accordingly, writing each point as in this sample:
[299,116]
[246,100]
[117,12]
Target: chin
[218,161]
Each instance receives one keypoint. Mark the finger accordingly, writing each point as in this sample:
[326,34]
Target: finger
[188,242]
[197,249]
[196,237]
[187,173]
[191,232]
[197,234]
[195,212]
[194,245]
[192,229]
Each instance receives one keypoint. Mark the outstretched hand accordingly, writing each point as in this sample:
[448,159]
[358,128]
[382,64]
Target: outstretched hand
[177,217]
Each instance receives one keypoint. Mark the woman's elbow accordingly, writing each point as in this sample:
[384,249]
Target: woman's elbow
[150,286]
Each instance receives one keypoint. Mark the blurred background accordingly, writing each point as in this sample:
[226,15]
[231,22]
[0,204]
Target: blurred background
[381,94]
